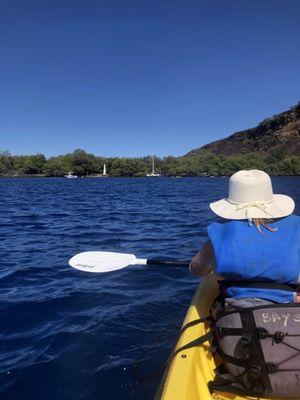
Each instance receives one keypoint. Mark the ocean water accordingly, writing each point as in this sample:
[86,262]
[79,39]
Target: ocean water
[66,334]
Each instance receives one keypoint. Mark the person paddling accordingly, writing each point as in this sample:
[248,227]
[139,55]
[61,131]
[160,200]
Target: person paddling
[256,252]
[258,241]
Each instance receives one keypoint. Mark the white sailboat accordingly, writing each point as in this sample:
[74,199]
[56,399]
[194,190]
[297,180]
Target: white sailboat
[71,176]
[153,173]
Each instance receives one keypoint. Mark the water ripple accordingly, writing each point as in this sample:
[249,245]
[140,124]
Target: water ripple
[67,334]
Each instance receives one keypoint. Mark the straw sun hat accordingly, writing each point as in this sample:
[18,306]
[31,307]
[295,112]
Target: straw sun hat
[251,196]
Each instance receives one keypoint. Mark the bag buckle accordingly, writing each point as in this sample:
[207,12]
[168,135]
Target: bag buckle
[262,333]
[255,371]
[271,368]
[246,337]
[220,332]
[278,337]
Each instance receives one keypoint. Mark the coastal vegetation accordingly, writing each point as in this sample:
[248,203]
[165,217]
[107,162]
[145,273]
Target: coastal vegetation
[206,163]
[273,146]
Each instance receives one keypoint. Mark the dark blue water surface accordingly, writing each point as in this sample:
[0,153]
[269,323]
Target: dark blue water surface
[66,334]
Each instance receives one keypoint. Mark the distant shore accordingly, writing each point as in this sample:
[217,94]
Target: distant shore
[40,176]
[204,163]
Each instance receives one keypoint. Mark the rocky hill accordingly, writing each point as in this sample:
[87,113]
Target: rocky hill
[279,133]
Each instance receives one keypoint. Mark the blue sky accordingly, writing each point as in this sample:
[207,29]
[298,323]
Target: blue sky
[131,78]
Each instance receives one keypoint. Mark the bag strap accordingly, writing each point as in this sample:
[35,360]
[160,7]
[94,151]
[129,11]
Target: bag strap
[197,342]
[233,385]
[224,331]
[239,362]
[254,363]
[193,323]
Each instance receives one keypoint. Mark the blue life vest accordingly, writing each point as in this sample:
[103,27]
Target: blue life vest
[242,253]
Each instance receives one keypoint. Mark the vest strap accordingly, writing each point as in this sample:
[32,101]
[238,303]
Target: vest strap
[225,284]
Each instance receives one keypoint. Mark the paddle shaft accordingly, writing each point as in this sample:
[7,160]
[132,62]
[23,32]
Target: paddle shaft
[157,262]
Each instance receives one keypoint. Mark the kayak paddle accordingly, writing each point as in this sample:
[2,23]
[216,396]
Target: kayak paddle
[104,261]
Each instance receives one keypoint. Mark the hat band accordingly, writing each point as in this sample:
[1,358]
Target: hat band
[260,205]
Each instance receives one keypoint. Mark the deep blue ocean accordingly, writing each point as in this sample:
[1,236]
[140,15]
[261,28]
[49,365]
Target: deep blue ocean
[66,334]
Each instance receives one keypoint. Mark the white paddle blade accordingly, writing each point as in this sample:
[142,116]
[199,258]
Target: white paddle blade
[103,261]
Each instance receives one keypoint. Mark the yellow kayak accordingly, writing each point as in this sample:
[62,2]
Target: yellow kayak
[190,370]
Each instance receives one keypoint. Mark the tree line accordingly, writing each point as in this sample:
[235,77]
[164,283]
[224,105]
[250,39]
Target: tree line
[85,164]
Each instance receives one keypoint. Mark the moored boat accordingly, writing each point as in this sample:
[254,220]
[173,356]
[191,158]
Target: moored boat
[70,175]
[153,173]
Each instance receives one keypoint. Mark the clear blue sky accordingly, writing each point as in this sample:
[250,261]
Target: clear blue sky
[131,78]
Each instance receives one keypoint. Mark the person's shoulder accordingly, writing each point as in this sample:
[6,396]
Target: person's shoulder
[223,225]
[287,222]
[217,222]
[295,219]
[292,218]
[213,228]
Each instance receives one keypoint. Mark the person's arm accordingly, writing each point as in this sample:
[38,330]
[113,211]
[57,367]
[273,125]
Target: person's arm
[204,262]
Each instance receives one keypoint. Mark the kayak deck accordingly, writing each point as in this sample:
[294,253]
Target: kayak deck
[190,370]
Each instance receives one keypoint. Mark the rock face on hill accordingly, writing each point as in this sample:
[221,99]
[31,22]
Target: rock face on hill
[279,133]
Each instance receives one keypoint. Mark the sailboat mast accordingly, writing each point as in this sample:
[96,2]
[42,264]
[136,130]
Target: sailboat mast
[153,173]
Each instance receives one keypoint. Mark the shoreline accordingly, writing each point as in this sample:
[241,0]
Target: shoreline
[130,177]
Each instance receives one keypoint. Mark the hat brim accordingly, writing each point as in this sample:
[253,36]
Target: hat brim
[281,206]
